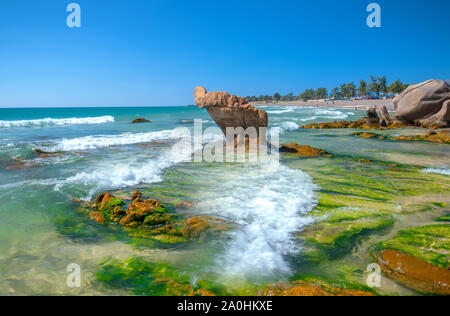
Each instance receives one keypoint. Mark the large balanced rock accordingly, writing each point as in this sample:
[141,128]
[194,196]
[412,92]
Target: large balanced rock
[230,110]
[426,104]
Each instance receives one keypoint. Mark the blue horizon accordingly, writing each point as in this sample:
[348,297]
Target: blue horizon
[147,53]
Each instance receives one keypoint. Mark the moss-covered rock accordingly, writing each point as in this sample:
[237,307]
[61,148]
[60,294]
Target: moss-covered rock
[157,279]
[428,243]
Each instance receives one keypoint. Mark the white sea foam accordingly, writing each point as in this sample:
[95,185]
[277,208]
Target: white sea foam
[289,126]
[57,122]
[100,141]
[444,171]
[281,111]
[269,206]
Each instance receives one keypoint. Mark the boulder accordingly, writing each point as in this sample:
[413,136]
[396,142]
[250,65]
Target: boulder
[385,116]
[373,120]
[230,110]
[425,104]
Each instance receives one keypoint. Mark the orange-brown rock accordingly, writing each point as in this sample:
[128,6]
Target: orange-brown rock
[140,120]
[98,217]
[360,124]
[303,150]
[415,273]
[149,212]
[302,288]
[368,135]
[441,137]
[45,154]
[200,226]
[230,110]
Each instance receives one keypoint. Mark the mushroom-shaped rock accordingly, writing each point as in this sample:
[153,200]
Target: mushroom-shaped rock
[230,110]
[426,103]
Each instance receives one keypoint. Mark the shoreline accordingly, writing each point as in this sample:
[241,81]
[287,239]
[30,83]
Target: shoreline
[354,105]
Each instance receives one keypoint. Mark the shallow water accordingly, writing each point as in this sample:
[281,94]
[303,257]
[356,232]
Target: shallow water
[41,231]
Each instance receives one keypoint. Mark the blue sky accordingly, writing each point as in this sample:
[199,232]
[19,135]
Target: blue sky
[145,53]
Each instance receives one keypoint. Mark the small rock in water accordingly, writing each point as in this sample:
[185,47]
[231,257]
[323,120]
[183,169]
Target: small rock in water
[140,120]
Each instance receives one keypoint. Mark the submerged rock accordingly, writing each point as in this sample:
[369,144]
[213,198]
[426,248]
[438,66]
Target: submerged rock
[415,273]
[426,104]
[140,120]
[302,288]
[303,150]
[46,154]
[230,110]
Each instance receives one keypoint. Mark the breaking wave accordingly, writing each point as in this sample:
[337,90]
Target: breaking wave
[268,206]
[57,122]
[101,141]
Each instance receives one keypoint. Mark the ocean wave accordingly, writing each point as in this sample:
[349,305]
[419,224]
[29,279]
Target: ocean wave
[269,206]
[57,122]
[289,126]
[444,171]
[281,111]
[101,141]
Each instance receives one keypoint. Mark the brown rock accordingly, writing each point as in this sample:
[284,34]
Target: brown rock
[415,273]
[230,110]
[303,150]
[184,204]
[385,116]
[302,288]
[45,154]
[426,103]
[373,121]
[140,120]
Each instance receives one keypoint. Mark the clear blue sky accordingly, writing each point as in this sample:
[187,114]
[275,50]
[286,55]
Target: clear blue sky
[144,53]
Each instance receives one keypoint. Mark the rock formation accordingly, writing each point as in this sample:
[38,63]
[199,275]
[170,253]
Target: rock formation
[385,117]
[426,104]
[372,118]
[230,110]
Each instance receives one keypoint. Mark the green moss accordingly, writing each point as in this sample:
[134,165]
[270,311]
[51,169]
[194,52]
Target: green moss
[157,279]
[445,218]
[429,243]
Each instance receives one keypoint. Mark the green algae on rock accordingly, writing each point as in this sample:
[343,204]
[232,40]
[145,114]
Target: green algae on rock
[428,243]
[158,279]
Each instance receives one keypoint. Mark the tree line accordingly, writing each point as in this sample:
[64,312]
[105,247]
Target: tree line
[376,85]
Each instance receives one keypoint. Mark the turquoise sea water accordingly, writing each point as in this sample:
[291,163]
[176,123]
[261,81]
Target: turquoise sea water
[41,231]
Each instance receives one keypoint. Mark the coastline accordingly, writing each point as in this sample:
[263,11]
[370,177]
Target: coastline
[354,105]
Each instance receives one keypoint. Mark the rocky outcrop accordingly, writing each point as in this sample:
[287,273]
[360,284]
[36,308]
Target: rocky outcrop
[385,117]
[373,121]
[230,110]
[302,288]
[425,104]
[415,273]
[140,120]
[305,151]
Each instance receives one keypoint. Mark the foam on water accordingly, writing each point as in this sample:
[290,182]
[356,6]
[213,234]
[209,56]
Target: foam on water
[444,171]
[289,126]
[57,122]
[288,110]
[100,141]
[268,205]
